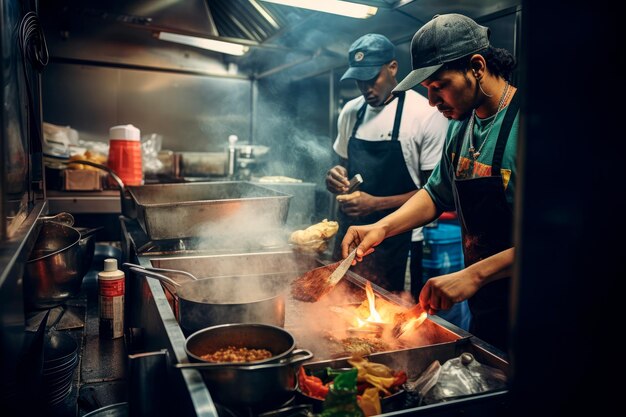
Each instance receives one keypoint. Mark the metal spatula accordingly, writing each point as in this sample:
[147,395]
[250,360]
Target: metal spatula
[317,282]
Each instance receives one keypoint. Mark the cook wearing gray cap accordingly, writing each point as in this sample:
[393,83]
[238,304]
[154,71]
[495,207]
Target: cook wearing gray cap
[444,39]
[468,81]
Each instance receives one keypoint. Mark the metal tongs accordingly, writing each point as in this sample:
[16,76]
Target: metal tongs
[401,322]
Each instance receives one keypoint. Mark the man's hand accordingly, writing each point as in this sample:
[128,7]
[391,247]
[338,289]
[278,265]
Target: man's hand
[442,292]
[357,204]
[337,180]
[365,237]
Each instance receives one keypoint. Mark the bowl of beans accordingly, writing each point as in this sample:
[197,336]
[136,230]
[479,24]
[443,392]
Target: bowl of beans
[241,343]
[248,364]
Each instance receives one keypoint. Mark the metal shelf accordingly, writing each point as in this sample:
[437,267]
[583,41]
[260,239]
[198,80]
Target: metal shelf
[100,202]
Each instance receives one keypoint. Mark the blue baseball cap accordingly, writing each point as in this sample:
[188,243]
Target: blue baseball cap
[366,55]
[445,38]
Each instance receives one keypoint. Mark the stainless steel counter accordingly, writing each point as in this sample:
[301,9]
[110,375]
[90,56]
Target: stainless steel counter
[153,323]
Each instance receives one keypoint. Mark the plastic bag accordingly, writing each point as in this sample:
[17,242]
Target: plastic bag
[425,381]
[57,140]
[458,377]
[150,147]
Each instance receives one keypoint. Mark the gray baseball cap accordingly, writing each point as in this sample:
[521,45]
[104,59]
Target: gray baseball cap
[367,55]
[445,38]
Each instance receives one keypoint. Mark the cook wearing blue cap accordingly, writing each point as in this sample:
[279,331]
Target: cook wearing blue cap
[367,55]
[393,147]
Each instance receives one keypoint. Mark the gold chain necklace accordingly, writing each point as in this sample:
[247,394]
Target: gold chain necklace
[472,151]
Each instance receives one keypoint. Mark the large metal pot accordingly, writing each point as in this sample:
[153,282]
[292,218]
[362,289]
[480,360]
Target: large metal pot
[220,300]
[58,262]
[266,383]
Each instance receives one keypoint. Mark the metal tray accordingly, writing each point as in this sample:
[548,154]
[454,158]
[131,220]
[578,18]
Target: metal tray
[216,210]
[415,361]
[308,322]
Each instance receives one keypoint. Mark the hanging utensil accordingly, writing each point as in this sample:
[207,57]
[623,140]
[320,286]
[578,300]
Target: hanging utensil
[63,218]
[127,205]
[317,282]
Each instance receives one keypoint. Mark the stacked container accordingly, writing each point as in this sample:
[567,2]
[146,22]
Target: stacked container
[125,154]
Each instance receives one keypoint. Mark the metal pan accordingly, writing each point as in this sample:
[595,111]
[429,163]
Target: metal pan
[220,210]
[262,383]
[58,262]
[222,300]
[177,211]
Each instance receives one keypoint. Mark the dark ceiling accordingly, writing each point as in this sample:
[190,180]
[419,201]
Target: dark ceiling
[293,41]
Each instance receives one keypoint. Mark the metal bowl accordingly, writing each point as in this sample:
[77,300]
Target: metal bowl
[263,384]
[56,266]
[254,336]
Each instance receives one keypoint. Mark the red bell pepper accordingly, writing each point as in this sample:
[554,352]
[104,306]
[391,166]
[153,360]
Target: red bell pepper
[311,385]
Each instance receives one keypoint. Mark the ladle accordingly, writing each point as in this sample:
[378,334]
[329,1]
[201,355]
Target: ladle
[63,218]
[158,270]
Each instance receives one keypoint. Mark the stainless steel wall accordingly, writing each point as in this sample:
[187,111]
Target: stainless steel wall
[192,112]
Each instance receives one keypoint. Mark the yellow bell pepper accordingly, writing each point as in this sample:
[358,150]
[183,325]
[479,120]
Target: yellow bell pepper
[370,402]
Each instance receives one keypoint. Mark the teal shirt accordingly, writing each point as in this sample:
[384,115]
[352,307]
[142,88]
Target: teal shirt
[439,184]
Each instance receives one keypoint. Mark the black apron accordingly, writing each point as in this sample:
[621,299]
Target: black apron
[384,172]
[487,228]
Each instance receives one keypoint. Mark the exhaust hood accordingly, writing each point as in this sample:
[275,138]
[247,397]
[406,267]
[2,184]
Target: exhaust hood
[247,21]
[189,16]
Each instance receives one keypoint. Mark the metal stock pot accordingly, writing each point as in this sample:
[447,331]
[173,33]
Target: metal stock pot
[220,300]
[58,262]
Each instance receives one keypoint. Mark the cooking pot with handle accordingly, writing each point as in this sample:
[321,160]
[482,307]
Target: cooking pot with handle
[57,264]
[221,300]
[267,383]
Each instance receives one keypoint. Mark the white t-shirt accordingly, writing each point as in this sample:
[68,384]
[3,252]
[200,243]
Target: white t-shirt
[422,132]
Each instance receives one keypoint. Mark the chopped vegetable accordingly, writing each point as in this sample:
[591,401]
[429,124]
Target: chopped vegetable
[370,402]
[311,385]
[365,383]
[341,400]
[378,375]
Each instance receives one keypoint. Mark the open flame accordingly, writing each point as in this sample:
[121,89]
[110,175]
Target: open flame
[413,323]
[374,316]
[379,317]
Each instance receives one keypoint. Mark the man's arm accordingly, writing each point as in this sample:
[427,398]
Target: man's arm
[417,211]
[440,293]
[360,203]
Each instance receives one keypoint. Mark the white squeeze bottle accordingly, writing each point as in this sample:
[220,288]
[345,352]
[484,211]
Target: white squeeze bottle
[111,300]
